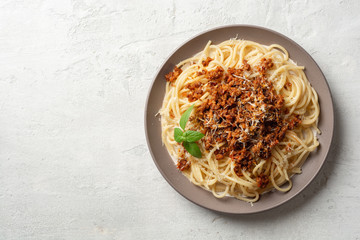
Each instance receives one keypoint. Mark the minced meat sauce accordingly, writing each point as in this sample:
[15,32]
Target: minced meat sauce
[244,113]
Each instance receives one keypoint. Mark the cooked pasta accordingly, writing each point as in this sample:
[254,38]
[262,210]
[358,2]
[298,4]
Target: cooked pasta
[258,113]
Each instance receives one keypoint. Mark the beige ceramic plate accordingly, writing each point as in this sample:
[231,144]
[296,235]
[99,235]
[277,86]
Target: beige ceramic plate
[228,204]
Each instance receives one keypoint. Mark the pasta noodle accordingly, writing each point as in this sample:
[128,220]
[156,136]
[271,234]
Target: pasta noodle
[218,173]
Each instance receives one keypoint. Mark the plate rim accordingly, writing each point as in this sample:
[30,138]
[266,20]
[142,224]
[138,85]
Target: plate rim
[255,27]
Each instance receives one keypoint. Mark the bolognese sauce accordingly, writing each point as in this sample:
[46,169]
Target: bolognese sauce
[244,112]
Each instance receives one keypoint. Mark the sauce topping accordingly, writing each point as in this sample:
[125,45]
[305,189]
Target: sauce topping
[242,111]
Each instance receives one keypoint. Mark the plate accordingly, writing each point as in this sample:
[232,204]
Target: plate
[205,198]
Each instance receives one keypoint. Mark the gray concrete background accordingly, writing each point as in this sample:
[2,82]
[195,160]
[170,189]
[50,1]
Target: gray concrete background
[73,82]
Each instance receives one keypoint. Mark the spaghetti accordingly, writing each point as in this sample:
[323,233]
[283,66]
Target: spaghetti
[258,113]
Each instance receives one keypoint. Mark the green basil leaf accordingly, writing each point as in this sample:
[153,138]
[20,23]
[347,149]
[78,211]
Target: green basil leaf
[193,149]
[185,117]
[178,135]
[192,136]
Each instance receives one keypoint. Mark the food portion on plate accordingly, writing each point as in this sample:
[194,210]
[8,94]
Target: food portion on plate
[239,118]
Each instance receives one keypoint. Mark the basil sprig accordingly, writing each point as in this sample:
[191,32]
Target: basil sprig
[188,138]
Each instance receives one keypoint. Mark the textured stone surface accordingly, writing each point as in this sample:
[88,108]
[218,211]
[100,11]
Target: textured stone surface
[73,158]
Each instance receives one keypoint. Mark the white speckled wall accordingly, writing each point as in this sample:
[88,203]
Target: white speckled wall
[73,82]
